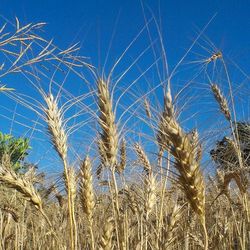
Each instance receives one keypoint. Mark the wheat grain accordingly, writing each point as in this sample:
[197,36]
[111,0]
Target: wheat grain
[55,126]
[86,189]
[143,158]
[190,177]
[108,144]
[221,101]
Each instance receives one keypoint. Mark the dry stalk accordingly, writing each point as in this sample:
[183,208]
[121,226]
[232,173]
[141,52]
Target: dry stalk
[147,108]
[108,143]
[149,186]
[54,119]
[87,195]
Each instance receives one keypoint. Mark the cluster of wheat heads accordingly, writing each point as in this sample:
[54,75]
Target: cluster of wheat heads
[118,193]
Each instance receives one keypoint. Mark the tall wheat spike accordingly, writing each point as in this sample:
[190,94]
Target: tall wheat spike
[190,177]
[87,195]
[55,126]
[123,157]
[143,159]
[150,192]
[86,188]
[221,101]
[54,119]
[108,143]
[161,135]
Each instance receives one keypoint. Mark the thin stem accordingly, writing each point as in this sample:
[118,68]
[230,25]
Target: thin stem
[91,235]
[71,212]
[205,234]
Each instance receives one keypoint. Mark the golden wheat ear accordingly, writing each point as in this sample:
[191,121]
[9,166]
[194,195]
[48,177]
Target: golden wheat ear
[12,211]
[19,183]
[143,158]
[108,143]
[86,189]
[183,149]
[221,101]
[123,157]
[172,220]
[26,188]
[106,238]
[56,130]
[87,196]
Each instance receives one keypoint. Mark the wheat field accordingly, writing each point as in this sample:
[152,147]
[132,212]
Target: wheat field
[115,166]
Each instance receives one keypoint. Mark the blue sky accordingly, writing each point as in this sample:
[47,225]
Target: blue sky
[100,24]
[93,21]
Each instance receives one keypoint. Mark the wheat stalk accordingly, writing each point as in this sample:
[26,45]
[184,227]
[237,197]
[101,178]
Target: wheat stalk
[190,177]
[86,189]
[147,108]
[87,195]
[54,119]
[161,137]
[108,144]
[55,126]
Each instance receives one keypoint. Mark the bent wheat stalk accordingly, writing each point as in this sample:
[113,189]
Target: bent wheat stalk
[12,180]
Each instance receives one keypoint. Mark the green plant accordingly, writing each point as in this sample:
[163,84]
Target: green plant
[15,148]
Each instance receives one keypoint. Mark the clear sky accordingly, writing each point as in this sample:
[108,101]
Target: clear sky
[93,21]
[98,24]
